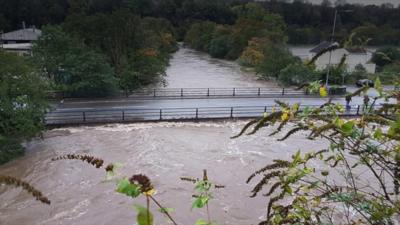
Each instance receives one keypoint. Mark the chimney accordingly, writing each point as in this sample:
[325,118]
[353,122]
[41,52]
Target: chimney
[23,25]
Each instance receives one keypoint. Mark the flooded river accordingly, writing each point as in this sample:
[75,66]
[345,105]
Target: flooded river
[192,69]
[163,151]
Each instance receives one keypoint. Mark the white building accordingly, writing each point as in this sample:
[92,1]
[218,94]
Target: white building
[19,41]
[354,57]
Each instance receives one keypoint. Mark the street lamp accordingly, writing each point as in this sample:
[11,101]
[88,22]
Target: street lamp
[331,43]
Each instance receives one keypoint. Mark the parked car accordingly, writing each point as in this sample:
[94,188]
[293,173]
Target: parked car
[365,82]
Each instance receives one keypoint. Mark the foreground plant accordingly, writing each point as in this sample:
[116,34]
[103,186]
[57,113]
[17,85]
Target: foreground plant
[203,195]
[12,181]
[355,179]
[133,187]
[141,185]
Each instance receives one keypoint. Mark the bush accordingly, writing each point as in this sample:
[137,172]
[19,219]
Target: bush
[385,55]
[9,150]
[22,103]
[276,58]
[199,35]
[220,46]
[296,74]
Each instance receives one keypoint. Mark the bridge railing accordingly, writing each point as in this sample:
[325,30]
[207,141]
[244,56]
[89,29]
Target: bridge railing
[199,92]
[164,114]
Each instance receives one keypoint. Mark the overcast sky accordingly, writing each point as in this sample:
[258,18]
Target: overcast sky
[366,2]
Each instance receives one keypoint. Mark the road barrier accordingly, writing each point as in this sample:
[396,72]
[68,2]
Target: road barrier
[201,93]
[76,117]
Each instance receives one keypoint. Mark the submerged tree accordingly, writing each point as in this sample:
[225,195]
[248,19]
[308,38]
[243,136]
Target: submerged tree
[355,179]
[22,103]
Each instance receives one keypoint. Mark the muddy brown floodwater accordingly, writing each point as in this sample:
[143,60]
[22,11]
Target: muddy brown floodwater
[193,69]
[163,151]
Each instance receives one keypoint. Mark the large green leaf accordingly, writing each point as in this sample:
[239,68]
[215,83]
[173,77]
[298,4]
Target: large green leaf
[127,188]
[200,202]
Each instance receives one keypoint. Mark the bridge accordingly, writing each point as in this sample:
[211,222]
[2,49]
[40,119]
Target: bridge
[78,117]
[178,104]
[162,93]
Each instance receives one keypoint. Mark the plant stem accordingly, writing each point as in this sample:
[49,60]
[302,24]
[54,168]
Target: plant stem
[162,209]
[208,214]
[148,209]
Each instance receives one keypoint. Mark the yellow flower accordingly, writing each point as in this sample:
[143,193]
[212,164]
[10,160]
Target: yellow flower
[323,92]
[285,115]
[150,192]
[265,114]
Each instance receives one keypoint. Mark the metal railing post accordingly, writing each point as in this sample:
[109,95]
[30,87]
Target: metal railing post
[123,115]
[283,91]
[231,112]
[154,92]
[259,92]
[181,92]
[358,110]
[84,116]
[208,92]
[234,92]
[265,108]
[160,114]
[197,113]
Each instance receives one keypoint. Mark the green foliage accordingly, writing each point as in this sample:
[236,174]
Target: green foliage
[385,56]
[298,194]
[137,48]
[9,149]
[203,195]
[22,104]
[144,216]
[220,46]
[126,187]
[296,74]
[72,66]
[276,58]
[200,35]
[225,41]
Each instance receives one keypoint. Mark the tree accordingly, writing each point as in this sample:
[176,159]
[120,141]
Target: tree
[275,59]
[199,35]
[354,179]
[296,74]
[386,55]
[22,103]
[72,66]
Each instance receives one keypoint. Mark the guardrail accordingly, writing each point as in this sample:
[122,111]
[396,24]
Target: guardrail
[75,117]
[201,92]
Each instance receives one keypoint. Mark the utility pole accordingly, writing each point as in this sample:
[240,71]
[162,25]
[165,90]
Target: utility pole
[330,52]
[331,43]
[1,39]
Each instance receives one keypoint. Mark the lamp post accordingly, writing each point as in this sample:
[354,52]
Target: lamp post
[331,43]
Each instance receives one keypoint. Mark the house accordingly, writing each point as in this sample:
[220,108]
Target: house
[19,41]
[354,56]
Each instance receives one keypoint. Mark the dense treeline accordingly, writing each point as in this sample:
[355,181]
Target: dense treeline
[97,54]
[307,23]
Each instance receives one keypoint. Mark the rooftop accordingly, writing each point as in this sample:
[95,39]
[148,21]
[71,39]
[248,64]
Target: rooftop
[28,34]
[323,45]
